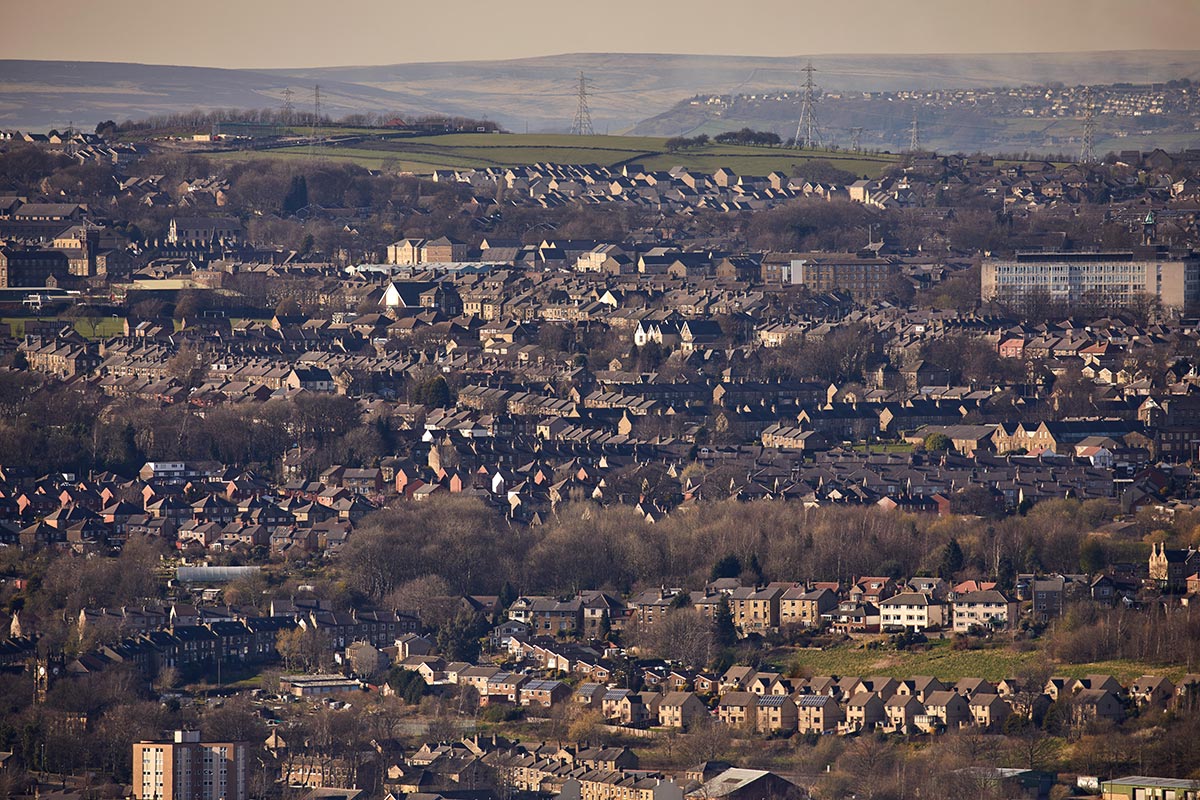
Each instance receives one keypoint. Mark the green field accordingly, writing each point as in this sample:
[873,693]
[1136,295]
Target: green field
[884,447]
[106,327]
[423,154]
[941,661]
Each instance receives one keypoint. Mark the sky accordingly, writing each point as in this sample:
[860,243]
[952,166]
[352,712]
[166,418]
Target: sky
[310,33]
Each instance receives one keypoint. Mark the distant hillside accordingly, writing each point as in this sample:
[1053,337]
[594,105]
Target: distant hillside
[537,94]
[1041,119]
[423,154]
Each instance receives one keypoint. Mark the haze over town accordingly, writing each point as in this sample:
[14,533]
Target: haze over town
[267,34]
[660,401]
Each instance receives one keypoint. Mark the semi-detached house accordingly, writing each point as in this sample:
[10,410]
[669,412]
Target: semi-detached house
[912,611]
[983,609]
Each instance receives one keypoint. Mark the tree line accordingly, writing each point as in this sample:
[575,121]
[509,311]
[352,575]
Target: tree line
[748,136]
[283,117]
[470,546]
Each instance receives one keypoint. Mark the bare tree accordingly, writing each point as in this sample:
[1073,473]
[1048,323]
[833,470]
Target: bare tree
[707,740]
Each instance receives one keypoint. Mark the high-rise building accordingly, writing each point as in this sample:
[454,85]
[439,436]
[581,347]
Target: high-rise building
[1107,280]
[189,769]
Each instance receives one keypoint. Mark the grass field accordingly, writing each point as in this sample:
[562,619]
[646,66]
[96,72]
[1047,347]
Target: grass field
[423,154]
[888,447]
[105,326]
[941,661]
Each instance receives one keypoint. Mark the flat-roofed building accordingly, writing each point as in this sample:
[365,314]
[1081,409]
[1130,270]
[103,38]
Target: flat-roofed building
[1106,279]
[186,768]
[318,685]
[1141,787]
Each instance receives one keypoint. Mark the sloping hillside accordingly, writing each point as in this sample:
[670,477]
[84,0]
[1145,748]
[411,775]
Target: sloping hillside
[536,94]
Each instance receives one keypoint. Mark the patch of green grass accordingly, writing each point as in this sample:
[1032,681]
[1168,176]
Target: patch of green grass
[105,327]
[538,141]
[514,156]
[1122,670]
[945,663]
[423,154]
[884,447]
[1016,125]
[297,154]
[16,327]
[939,661]
[335,130]
[760,161]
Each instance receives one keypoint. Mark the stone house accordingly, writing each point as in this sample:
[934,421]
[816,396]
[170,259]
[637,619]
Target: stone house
[864,711]
[818,714]
[944,711]
[775,714]
[680,710]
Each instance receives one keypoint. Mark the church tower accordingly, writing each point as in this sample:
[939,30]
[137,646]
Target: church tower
[46,670]
[1149,229]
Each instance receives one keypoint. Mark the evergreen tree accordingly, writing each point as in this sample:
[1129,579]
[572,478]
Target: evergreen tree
[459,639]
[756,569]
[729,566]
[407,683]
[433,392]
[1006,572]
[385,435]
[952,560]
[1092,557]
[507,596]
[723,629]
[297,195]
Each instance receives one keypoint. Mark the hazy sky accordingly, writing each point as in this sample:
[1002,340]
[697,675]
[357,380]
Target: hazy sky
[291,33]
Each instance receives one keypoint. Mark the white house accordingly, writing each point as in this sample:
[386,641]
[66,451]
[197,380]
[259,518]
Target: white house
[913,611]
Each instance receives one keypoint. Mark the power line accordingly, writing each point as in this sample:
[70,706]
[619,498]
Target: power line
[288,109]
[316,120]
[582,126]
[807,133]
[1087,153]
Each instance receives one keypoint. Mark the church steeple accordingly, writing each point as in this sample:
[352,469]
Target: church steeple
[1149,229]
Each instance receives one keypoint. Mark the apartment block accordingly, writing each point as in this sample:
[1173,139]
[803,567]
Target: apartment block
[1108,279]
[186,768]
